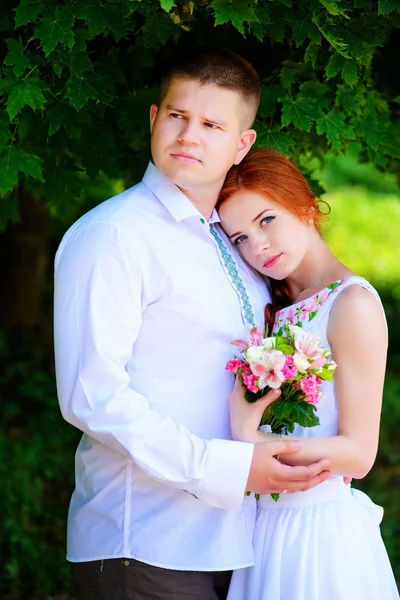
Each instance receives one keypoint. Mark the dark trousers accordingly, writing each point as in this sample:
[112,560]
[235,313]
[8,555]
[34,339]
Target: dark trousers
[128,579]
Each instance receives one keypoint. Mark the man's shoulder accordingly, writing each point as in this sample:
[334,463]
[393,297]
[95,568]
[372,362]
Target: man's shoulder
[128,209]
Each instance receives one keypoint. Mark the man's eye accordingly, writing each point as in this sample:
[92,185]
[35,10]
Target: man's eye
[211,125]
[239,240]
[176,115]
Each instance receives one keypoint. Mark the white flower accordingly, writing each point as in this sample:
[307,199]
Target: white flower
[254,354]
[301,362]
[306,343]
[269,343]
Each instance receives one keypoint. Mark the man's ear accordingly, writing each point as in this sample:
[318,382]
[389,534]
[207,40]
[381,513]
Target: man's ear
[246,141]
[153,114]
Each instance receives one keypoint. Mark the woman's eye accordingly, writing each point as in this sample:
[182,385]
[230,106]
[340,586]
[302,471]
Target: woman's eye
[266,220]
[239,240]
[211,125]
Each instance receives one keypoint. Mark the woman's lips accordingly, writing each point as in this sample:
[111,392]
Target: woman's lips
[272,261]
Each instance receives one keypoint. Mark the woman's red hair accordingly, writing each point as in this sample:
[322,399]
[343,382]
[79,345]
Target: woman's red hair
[271,174]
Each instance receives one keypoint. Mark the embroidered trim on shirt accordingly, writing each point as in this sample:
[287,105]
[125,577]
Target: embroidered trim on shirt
[234,277]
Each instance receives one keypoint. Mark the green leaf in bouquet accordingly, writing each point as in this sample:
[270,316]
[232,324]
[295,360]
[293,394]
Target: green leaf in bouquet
[285,348]
[325,374]
[304,414]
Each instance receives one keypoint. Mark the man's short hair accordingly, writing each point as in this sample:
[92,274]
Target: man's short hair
[219,67]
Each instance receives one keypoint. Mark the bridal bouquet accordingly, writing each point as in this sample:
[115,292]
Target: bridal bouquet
[292,360]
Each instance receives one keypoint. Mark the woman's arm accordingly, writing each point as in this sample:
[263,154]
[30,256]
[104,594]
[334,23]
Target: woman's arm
[358,337]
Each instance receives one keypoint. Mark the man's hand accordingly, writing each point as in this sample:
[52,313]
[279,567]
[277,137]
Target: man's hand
[267,475]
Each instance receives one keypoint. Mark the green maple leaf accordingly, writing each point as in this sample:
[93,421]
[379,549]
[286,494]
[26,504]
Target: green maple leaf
[79,90]
[290,73]
[303,28]
[334,8]
[26,11]
[157,29]
[25,92]
[16,57]
[167,5]
[100,16]
[14,160]
[334,66]
[311,53]
[301,111]
[352,101]
[62,115]
[350,73]
[268,100]
[386,6]
[237,13]
[56,29]
[333,126]
[274,138]
[5,133]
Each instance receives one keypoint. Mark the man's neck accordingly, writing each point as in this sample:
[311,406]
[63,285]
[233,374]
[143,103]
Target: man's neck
[204,199]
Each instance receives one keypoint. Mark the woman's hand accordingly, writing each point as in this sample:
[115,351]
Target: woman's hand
[246,416]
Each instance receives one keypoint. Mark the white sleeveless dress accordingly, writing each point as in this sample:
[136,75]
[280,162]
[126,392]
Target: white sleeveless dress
[325,543]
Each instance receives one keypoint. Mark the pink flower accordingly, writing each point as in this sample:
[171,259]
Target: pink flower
[255,338]
[233,365]
[251,381]
[320,362]
[241,344]
[309,385]
[269,369]
[289,368]
[246,369]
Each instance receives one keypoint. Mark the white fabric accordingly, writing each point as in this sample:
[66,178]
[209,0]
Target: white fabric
[324,543]
[144,317]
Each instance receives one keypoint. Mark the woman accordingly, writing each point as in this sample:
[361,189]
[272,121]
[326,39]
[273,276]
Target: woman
[324,543]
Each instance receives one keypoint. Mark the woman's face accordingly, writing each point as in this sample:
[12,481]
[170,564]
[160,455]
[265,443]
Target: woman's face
[270,238]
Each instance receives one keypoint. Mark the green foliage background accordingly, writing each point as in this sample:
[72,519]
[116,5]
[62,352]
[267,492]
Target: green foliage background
[76,81]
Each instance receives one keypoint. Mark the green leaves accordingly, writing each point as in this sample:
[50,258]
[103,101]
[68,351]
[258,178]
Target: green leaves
[167,5]
[300,111]
[334,126]
[56,29]
[274,138]
[238,13]
[26,11]
[79,90]
[387,6]
[101,16]
[23,92]
[16,57]
[13,161]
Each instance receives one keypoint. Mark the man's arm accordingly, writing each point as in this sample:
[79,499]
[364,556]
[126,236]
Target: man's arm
[100,297]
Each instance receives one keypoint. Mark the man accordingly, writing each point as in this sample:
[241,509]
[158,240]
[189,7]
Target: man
[147,301]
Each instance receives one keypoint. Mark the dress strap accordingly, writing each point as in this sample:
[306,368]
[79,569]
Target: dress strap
[343,285]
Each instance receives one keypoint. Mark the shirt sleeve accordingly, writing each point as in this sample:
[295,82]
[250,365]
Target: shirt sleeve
[98,307]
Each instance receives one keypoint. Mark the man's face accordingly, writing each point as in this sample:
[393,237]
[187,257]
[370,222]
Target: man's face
[197,135]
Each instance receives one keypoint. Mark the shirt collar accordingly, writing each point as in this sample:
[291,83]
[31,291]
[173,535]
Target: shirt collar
[174,200]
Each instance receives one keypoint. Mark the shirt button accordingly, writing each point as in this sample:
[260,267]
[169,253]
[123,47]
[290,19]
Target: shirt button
[126,563]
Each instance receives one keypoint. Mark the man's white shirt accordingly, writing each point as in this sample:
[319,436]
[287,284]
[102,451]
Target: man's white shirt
[144,317]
